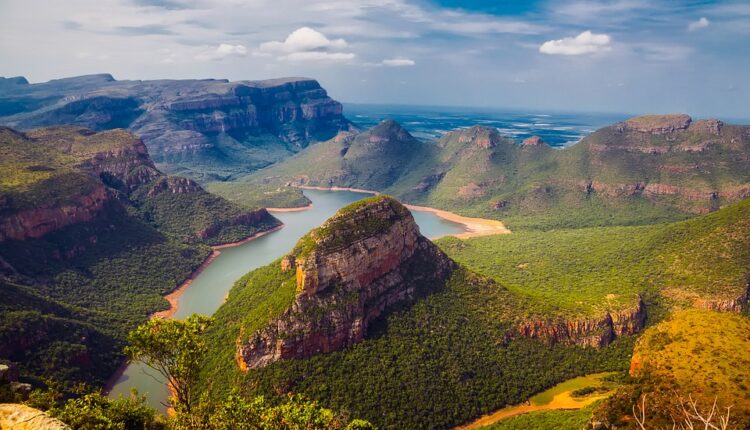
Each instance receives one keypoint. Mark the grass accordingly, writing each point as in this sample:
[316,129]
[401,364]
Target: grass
[694,353]
[590,271]
[254,195]
[594,380]
[546,420]
[440,362]
[703,353]
[536,188]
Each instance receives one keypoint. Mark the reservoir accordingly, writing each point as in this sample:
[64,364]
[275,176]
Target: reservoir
[208,289]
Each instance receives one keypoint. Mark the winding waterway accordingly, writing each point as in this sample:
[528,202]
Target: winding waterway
[207,291]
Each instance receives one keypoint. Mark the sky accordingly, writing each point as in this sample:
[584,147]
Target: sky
[629,56]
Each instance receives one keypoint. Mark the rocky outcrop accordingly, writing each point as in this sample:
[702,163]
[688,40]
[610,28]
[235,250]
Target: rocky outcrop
[14,416]
[591,332]
[533,141]
[483,137]
[35,223]
[366,259]
[736,304]
[248,218]
[656,124]
[174,185]
[708,126]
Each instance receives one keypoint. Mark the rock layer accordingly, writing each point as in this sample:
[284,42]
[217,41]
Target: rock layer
[213,125]
[360,263]
[593,332]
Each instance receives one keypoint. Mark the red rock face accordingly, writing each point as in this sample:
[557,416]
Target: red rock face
[35,223]
[341,292]
[532,141]
[593,332]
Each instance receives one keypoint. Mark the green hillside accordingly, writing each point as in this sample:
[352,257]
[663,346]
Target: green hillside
[92,236]
[448,358]
[694,354]
[643,171]
[701,261]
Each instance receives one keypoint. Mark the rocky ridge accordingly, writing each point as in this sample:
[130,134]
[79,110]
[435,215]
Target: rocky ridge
[594,332]
[114,170]
[366,259]
[202,125]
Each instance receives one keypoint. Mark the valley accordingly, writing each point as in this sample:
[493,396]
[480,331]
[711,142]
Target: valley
[368,271]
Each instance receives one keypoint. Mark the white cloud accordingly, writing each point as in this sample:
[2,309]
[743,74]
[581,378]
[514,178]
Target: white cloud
[703,22]
[222,51]
[307,44]
[585,43]
[398,62]
[304,39]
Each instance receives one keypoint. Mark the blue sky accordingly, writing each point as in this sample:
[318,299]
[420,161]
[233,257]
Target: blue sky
[635,56]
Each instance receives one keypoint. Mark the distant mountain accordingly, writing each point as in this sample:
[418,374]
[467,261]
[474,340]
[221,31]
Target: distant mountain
[205,129]
[91,236]
[644,170]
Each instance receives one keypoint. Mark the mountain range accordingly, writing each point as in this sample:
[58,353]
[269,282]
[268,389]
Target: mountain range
[647,169]
[629,253]
[203,129]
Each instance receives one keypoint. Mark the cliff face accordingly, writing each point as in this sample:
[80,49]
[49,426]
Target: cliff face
[593,332]
[35,223]
[209,126]
[363,261]
[67,175]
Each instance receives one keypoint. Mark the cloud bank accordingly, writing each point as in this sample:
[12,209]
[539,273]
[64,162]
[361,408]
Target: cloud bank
[583,44]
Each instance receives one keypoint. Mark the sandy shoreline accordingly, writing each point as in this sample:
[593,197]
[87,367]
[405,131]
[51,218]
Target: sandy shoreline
[173,296]
[475,226]
[297,209]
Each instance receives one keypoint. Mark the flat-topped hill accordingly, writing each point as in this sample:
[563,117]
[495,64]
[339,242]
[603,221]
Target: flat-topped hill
[206,129]
[362,262]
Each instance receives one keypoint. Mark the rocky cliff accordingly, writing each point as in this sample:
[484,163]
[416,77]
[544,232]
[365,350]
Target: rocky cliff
[14,416]
[62,176]
[363,261]
[199,127]
[593,331]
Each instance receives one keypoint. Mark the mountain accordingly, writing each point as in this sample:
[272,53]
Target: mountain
[91,236]
[360,263]
[365,313]
[470,326]
[204,129]
[644,170]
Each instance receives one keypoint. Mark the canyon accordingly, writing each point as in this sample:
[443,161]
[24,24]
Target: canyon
[210,128]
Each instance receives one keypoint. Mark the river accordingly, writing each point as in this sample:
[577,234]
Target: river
[208,289]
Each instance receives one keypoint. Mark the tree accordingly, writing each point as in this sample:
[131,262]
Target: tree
[175,349]
[689,415]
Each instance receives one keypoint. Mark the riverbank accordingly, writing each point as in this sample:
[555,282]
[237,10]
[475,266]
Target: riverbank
[475,226]
[173,296]
[557,397]
[298,209]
